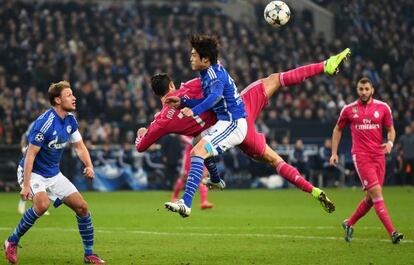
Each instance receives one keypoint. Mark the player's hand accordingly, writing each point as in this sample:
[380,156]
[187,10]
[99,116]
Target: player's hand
[386,148]
[141,131]
[334,160]
[187,112]
[88,172]
[173,101]
[25,193]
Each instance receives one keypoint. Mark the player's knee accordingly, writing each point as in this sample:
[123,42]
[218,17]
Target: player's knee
[41,206]
[82,209]
[375,192]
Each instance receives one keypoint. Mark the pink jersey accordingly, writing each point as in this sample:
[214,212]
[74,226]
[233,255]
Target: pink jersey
[367,122]
[170,120]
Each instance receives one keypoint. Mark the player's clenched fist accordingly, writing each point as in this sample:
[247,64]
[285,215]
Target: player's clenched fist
[141,131]
[334,160]
[187,112]
[88,172]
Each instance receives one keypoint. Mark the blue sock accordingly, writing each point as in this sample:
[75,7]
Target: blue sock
[27,221]
[86,231]
[210,164]
[193,180]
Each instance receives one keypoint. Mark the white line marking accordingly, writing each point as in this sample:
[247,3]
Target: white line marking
[157,233]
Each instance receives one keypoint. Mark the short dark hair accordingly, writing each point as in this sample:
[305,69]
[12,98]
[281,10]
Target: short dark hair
[55,89]
[365,80]
[160,84]
[206,46]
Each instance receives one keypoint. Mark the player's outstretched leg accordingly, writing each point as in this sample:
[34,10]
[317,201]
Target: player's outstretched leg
[296,76]
[292,175]
[331,66]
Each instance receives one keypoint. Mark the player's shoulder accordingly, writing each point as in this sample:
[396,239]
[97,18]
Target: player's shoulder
[71,118]
[44,121]
[380,103]
[46,117]
[349,106]
[190,84]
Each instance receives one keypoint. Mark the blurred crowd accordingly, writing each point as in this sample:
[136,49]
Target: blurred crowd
[109,53]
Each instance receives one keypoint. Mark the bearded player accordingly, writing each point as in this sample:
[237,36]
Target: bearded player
[367,118]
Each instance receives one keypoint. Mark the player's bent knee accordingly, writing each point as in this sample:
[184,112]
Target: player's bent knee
[82,209]
[41,206]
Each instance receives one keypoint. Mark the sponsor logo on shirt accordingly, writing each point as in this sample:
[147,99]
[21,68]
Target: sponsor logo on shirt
[367,125]
[54,144]
[69,128]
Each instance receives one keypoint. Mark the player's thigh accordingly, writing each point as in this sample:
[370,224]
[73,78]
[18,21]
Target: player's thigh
[366,170]
[224,135]
[380,163]
[61,189]
[77,203]
[38,184]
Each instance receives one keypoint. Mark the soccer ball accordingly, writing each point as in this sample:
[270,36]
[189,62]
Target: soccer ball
[277,13]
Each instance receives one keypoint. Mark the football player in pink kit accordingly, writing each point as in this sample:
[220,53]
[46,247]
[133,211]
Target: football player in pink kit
[185,168]
[367,118]
[255,98]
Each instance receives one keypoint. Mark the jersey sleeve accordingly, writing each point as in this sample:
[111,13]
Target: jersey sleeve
[75,135]
[343,119]
[156,130]
[387,121]
[40,132]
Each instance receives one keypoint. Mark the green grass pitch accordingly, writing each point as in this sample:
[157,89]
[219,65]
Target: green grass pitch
[244,227]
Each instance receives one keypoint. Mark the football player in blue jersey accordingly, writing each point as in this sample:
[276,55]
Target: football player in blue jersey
[221,96]
[39,175]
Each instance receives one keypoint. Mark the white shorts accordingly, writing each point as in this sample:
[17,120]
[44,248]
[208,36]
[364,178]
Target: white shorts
[224,135]
[57,187]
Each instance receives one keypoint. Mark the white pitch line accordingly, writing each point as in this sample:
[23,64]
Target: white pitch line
[157,233]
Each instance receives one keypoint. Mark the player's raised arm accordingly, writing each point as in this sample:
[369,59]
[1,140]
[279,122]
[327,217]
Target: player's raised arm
[146,137]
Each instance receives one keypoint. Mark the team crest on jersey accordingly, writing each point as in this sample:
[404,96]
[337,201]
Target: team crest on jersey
[376,114]
[354,109]
[69,128]
[39,137]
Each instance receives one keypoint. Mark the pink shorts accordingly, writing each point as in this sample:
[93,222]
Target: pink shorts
[255,99]
[370,169]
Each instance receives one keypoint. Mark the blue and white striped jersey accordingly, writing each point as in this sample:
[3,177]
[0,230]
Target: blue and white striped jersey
[51,133]
[230,106]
